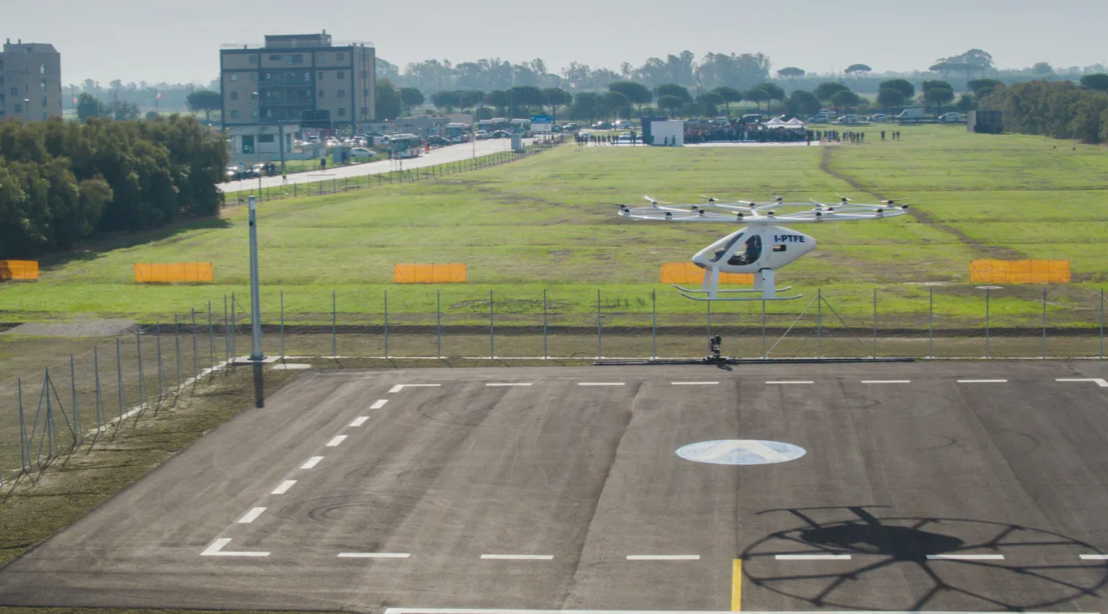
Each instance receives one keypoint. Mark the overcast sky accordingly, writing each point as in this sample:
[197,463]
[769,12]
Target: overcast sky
[177,41]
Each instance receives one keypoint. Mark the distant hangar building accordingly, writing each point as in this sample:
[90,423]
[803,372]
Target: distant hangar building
[30,81]
[303,79]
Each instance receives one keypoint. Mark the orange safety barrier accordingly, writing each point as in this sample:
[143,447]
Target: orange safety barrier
[1020,271]
[173,272]
[26,270]
[689,273]
[429,273]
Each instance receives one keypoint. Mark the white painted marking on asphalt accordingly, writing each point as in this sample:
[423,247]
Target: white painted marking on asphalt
[399,387]
[966,557]
[765,451]
[1099,382]
[374,555]
[336,440]
[886,381]
[494,611]
[283,488]
[312,462]
[518,557]
[252,515]
[379,404]
[502,384]
[663,557]
[216,549]
[1094,557]
[601,383]
[982,381]
[359,421]
[792,382]
[694,383]
[812,557]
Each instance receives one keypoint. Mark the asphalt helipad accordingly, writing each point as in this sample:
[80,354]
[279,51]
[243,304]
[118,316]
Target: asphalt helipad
[940,486]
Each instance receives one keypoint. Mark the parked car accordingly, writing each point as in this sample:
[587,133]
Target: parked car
[501,134]
[622,124]
[721,121]
[482,135]
[358,153]
[849,119]
[437,141]
[751,118]
[571,127]
[819,119]
[878,117]
[951,118]
[914,114]
[602,126]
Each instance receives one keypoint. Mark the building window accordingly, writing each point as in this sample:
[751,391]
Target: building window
[234,95]
[319,58]
[254,114]
[234,114]
[342,93]
[321,93]
[42,85]
[307,77]
[319,76]
[253,76]
[266,138]
[365,111]
[15,91]
[44,102]
[253,95]
[18,108]
[296,58]
[365,93]
[253,58]
[342,74]
[342,112]
[340,56]
[44,116]
[269,76]
[42,68]
[269,112]
[276,58]
[234,77]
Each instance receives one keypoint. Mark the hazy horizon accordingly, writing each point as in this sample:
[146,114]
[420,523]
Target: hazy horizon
[178,42]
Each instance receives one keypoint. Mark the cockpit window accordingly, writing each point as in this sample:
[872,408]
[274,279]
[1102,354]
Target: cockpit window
[750,255]
[727,247]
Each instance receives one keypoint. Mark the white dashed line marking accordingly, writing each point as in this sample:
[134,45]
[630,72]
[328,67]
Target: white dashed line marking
[966,557]
[336,440]
[374,555]
[216,549]
[600,383]
[812,557]
[283,488]
[252,515]
[663,557]
[1099,382]
[399,387]
[517,557]
[1094,557]
[379,404]
[359,421]
[694,383]
[982,381]
[312,462]
[793,382]
[499,385]
[886,381]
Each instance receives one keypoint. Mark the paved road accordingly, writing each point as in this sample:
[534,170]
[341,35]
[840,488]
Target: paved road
[442,155]
[940,486]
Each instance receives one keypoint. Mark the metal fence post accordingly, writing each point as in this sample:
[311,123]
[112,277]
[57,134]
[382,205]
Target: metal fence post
[1102,323]
[119,377]
[73,392]
[930,322]
[819,323]
[234,329]
[158,351]
[764,329]
[282,324]
[96,374]
[654,324]
[875,323]
[334,321]
[24,453]
[211,338]
[177,345]
[141,379]
[599,348]
[226,331]
[1044,321]
[708,318]
[492,327]
[386,324]
[195,347]
[438,323]
[986,322]
[544,352]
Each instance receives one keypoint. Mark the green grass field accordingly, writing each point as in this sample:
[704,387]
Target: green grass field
[548,222]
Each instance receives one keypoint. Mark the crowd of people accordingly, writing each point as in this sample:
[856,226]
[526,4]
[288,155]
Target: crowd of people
[744,133]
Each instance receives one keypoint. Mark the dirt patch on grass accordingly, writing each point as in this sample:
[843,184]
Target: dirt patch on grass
[983,250]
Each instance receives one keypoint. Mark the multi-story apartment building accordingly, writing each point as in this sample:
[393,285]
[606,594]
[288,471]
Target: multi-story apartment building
[298,78]
[30,81]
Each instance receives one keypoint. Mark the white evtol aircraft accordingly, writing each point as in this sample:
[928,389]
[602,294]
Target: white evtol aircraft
[761,246]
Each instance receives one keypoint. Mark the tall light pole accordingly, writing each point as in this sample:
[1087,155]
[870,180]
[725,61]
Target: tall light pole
[255,293]
[26,110]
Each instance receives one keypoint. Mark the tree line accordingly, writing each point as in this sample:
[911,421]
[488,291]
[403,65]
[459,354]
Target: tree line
[1061,110]
[61,182]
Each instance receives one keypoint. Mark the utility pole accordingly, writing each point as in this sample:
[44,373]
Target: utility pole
[255,293]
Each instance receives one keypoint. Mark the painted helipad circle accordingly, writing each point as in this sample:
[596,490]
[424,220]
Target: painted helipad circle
[740,452]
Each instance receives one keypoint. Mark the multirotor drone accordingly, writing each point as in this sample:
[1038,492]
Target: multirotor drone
[761,246]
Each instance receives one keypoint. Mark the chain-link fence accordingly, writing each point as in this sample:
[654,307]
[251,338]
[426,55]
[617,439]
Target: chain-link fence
[335,185]
[92,397]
